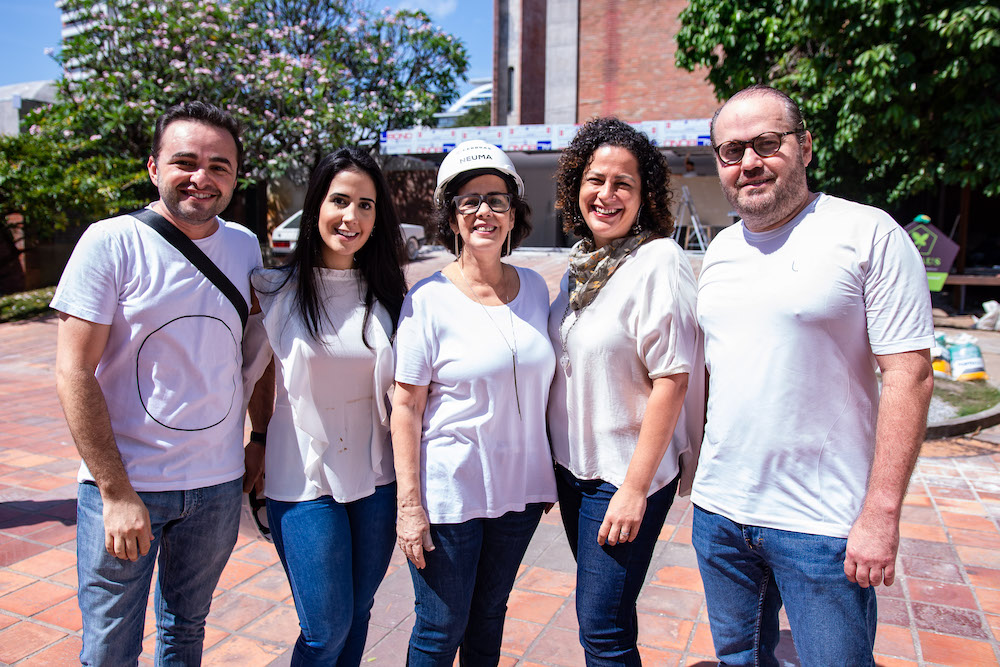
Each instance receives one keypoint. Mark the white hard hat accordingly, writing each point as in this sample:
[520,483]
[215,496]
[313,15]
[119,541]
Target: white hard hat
[474,156]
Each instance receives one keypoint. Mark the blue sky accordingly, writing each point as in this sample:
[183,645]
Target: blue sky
[28,27]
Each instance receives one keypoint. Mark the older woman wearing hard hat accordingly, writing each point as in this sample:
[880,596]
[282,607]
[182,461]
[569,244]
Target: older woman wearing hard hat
[473,368]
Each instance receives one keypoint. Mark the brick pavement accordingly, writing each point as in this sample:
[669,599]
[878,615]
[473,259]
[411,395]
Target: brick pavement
[943,610]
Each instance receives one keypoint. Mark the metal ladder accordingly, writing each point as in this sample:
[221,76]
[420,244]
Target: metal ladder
[693,223]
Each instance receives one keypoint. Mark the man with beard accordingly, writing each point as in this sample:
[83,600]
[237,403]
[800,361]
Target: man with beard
[803,466]
[150,373]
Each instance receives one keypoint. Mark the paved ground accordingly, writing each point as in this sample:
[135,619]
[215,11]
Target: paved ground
[944,610]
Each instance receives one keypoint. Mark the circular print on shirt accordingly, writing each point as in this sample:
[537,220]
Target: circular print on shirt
[187,372]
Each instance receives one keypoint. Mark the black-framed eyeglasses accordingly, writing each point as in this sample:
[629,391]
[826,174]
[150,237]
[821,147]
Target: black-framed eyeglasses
[499,202]
[764,145]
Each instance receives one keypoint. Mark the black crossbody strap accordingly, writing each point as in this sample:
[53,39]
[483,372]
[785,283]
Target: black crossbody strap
[200,260]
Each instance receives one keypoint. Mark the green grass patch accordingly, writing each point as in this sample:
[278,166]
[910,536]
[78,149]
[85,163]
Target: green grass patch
[967,397]
[23,305]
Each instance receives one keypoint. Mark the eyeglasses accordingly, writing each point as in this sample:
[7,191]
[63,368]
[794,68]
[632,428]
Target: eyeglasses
[764,145]
[499,202]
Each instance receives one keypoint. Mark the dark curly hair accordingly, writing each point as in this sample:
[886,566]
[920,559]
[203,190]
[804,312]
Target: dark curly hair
[656,196]
[445,215]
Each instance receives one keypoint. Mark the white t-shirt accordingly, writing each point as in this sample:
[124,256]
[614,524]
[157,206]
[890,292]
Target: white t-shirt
[171,370]
[641,326]
[329,432]
[479,459]
[792,319]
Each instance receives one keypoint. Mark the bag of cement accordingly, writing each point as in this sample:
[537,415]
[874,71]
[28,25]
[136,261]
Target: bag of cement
[966,359]
[991,320]
[941,359]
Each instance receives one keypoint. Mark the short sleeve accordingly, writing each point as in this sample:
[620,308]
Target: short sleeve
[90,284]
[667,327]
[897,299]
[412,346]
[266,284]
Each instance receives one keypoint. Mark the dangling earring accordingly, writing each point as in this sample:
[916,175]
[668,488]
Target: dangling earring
[636,228]
[456,246]
[509,234]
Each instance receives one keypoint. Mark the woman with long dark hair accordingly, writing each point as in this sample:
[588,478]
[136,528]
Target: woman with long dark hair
[330,315]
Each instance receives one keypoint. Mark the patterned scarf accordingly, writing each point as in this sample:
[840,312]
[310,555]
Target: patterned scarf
[590,270]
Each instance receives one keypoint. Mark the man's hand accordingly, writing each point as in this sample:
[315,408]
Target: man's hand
[871,550]
[253,461]
[127,529]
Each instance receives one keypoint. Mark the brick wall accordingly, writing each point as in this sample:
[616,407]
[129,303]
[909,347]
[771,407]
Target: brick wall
[626,63]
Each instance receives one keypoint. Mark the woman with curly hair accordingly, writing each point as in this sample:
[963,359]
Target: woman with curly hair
[473,370]
[330,314]
[624,330]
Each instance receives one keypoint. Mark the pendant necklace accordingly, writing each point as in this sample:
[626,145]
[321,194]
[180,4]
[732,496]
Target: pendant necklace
[510,313]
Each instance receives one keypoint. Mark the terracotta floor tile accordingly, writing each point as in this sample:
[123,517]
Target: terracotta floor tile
[231,611]
[236,572]
[928,568]
[944,650]
[258,552]
[883,661]
[55,535]
[960,506]
[673,576]
[244,652]
[548,581]
[24,638]
[67,577]
[7,620]
[916,531]
[35,597]
[664,632]
[939,592]
[917,500]
[17,550]
[389,609]
[895,641]
[922,515]
[566,618]
[213,636]
[278,626]
[954,621]
[989,599]
[973,556]
[518,635]
[994,622]
[65,652]
[269,584]
[974,538]
[390,651]
[654,657]
[945,492]
[893,611]
[11,581]
[557,647]
[968,522]
[534,607]
[701,641]
[925,549]
[667,532]
[45,563]
[672,602]
[66,614]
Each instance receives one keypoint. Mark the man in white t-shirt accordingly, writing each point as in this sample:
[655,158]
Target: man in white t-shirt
[803,467]
[150,373]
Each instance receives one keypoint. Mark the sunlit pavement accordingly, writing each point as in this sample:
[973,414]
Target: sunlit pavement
[943,610]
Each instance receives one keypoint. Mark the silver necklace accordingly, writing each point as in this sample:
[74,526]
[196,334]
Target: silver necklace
[564,335]
[510,314]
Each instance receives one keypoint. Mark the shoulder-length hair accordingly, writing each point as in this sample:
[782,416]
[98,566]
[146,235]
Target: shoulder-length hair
[654,216]
[379,260]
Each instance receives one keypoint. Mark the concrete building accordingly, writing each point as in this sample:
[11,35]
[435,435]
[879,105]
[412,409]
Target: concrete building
[19,99]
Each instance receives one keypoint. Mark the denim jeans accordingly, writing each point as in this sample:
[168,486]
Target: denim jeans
[335,555]
[749,571]
[608,578]
[461,595]
[193,534]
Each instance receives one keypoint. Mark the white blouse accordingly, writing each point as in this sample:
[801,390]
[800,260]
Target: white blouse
[329,433]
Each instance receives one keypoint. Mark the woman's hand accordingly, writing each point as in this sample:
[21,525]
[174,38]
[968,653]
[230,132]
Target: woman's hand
[623,518]
[413,534]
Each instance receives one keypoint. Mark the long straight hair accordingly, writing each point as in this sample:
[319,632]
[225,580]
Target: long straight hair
[379,260]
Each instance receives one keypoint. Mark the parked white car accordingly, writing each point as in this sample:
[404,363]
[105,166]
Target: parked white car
[285,235]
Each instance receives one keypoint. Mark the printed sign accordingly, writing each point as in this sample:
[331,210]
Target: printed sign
[936,249]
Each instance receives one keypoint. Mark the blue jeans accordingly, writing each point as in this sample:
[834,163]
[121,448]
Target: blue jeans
[461,595]
[748,571]
[193,534]
[608,578]
[335,555]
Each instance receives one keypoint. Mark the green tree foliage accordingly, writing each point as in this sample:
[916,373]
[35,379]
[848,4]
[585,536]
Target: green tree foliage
[477,116]
[900,96]
[302,76]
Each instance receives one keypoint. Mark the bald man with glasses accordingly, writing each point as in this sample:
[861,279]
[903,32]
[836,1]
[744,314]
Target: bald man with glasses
[804,466]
